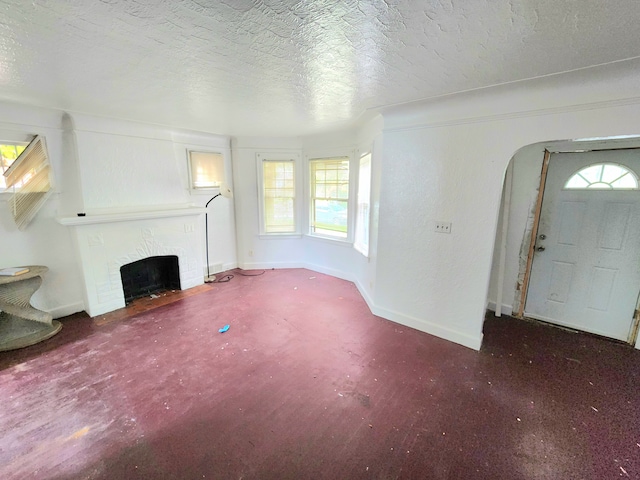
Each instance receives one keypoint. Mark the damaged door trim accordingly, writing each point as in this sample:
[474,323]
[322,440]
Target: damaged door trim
[534,233]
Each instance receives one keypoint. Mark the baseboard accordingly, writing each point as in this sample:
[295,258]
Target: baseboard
[66,310]
[506,309]
[191,282]
[270,265]
[216,268]
[106,307]
[365,294]
[449,334]
[422,325]
[330,271]
[228,266]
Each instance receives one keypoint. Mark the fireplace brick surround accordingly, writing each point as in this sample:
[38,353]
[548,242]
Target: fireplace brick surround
[106,242]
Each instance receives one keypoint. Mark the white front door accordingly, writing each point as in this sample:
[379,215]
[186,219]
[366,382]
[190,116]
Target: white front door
[586,266]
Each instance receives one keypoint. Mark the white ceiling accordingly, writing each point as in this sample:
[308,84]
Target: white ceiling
[268,67]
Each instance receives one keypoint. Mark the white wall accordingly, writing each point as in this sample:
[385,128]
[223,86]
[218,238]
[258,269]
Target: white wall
[446,159]
[443,159]
[134,166]
[44,242]
[220,213]
[255,251]
[104,165]
[339,259]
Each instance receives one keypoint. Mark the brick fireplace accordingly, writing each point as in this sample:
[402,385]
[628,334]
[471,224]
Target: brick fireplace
[106,242]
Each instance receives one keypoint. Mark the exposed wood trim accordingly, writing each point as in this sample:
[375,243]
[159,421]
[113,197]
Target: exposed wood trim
[534,232]
[633,334]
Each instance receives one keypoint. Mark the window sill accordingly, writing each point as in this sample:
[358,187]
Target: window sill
[364,255]
[204,191]
[333,241]
[268,236]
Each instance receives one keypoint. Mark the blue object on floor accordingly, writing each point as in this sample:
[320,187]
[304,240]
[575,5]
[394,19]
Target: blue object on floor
[224,329]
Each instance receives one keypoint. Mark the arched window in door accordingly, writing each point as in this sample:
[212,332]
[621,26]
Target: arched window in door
[603,176]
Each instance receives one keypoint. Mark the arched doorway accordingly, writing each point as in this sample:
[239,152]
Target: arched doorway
[563,288]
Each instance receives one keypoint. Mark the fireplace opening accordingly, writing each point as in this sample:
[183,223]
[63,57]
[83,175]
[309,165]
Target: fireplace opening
[150,275]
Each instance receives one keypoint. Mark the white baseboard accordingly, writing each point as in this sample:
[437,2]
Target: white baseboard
[228,266]
[449,334]
[461,338]
[330,271]
[191,282]
[365,294]
[65,310]
[216,268]
[106,307]
[506,309]
[270,265]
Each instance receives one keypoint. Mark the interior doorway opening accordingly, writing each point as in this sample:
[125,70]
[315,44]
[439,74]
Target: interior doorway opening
[517,232]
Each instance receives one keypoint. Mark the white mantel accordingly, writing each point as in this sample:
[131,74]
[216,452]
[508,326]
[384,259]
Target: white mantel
[128,215]
[108,240]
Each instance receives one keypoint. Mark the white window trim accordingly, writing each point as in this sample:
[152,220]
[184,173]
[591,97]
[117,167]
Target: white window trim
[330,153]
[225,165]
[357,246]
[262,157]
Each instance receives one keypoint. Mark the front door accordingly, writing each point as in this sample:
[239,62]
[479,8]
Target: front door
[586,266]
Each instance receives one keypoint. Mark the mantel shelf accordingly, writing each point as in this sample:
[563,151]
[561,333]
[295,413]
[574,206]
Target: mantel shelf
[90,219]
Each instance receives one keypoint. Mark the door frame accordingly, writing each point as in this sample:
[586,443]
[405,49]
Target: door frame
[634,331]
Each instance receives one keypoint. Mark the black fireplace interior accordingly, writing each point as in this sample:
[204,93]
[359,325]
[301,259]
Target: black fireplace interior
[150,275]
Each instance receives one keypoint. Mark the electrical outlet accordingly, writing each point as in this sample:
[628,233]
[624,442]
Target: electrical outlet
[251,253]
[189,228]
[443,227]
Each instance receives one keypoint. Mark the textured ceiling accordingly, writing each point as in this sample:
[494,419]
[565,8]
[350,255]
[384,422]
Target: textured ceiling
[273,67]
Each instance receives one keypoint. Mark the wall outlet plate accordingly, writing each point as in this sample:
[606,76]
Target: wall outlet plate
[443,227]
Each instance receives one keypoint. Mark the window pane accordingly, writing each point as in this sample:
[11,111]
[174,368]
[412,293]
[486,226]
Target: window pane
[279,197]
[330,218]
[592,174]
[207,169]
[31,172]
[626,181]
[600,186]
[361,241]
[329,196]
[612,172]
[8,154]
[577,182]
[603,176]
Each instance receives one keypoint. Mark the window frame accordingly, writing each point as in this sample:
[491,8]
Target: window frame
[360,247]
[293,157]
[206,190]
[328,154]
